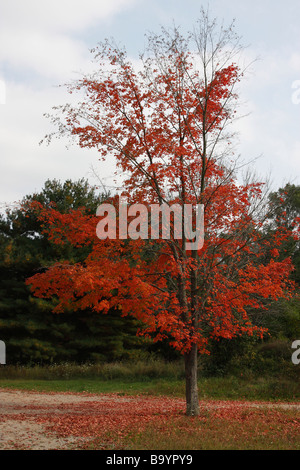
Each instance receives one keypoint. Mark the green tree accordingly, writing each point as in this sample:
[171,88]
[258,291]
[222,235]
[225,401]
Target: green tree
[284,211]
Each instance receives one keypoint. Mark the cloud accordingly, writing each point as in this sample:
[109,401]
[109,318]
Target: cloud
[59,15]
[51,57]
[24,164]
[43,44]
[46,37]
[294,62]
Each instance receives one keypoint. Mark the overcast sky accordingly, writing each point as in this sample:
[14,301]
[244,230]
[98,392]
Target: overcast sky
[45,43]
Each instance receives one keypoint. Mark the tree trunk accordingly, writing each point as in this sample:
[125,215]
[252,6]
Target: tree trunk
[191,385]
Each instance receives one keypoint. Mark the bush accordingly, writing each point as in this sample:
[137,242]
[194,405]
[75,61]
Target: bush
[225,353]
[127,370]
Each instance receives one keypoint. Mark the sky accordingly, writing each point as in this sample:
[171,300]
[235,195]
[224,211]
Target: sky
[44,44]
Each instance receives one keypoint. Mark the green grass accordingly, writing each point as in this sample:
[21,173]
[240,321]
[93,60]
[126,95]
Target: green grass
[132,387]
[223,388]
[152,377]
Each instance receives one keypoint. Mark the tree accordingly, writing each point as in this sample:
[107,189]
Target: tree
[167,127]
[284,211]
[30,330]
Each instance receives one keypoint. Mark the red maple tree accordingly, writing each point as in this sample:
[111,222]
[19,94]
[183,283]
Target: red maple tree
[166,127]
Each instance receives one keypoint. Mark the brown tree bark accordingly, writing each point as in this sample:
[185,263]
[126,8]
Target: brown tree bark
[191,382]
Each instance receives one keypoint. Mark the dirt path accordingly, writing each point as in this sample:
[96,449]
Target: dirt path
[25,416]
[21,410]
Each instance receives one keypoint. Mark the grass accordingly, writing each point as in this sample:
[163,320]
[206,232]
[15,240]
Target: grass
[153,377]
[215,429]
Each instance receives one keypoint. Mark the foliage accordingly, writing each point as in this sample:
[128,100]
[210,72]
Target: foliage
[284,210]
[166,125]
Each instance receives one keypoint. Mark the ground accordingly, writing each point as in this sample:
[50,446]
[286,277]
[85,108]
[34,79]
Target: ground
[45,421]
